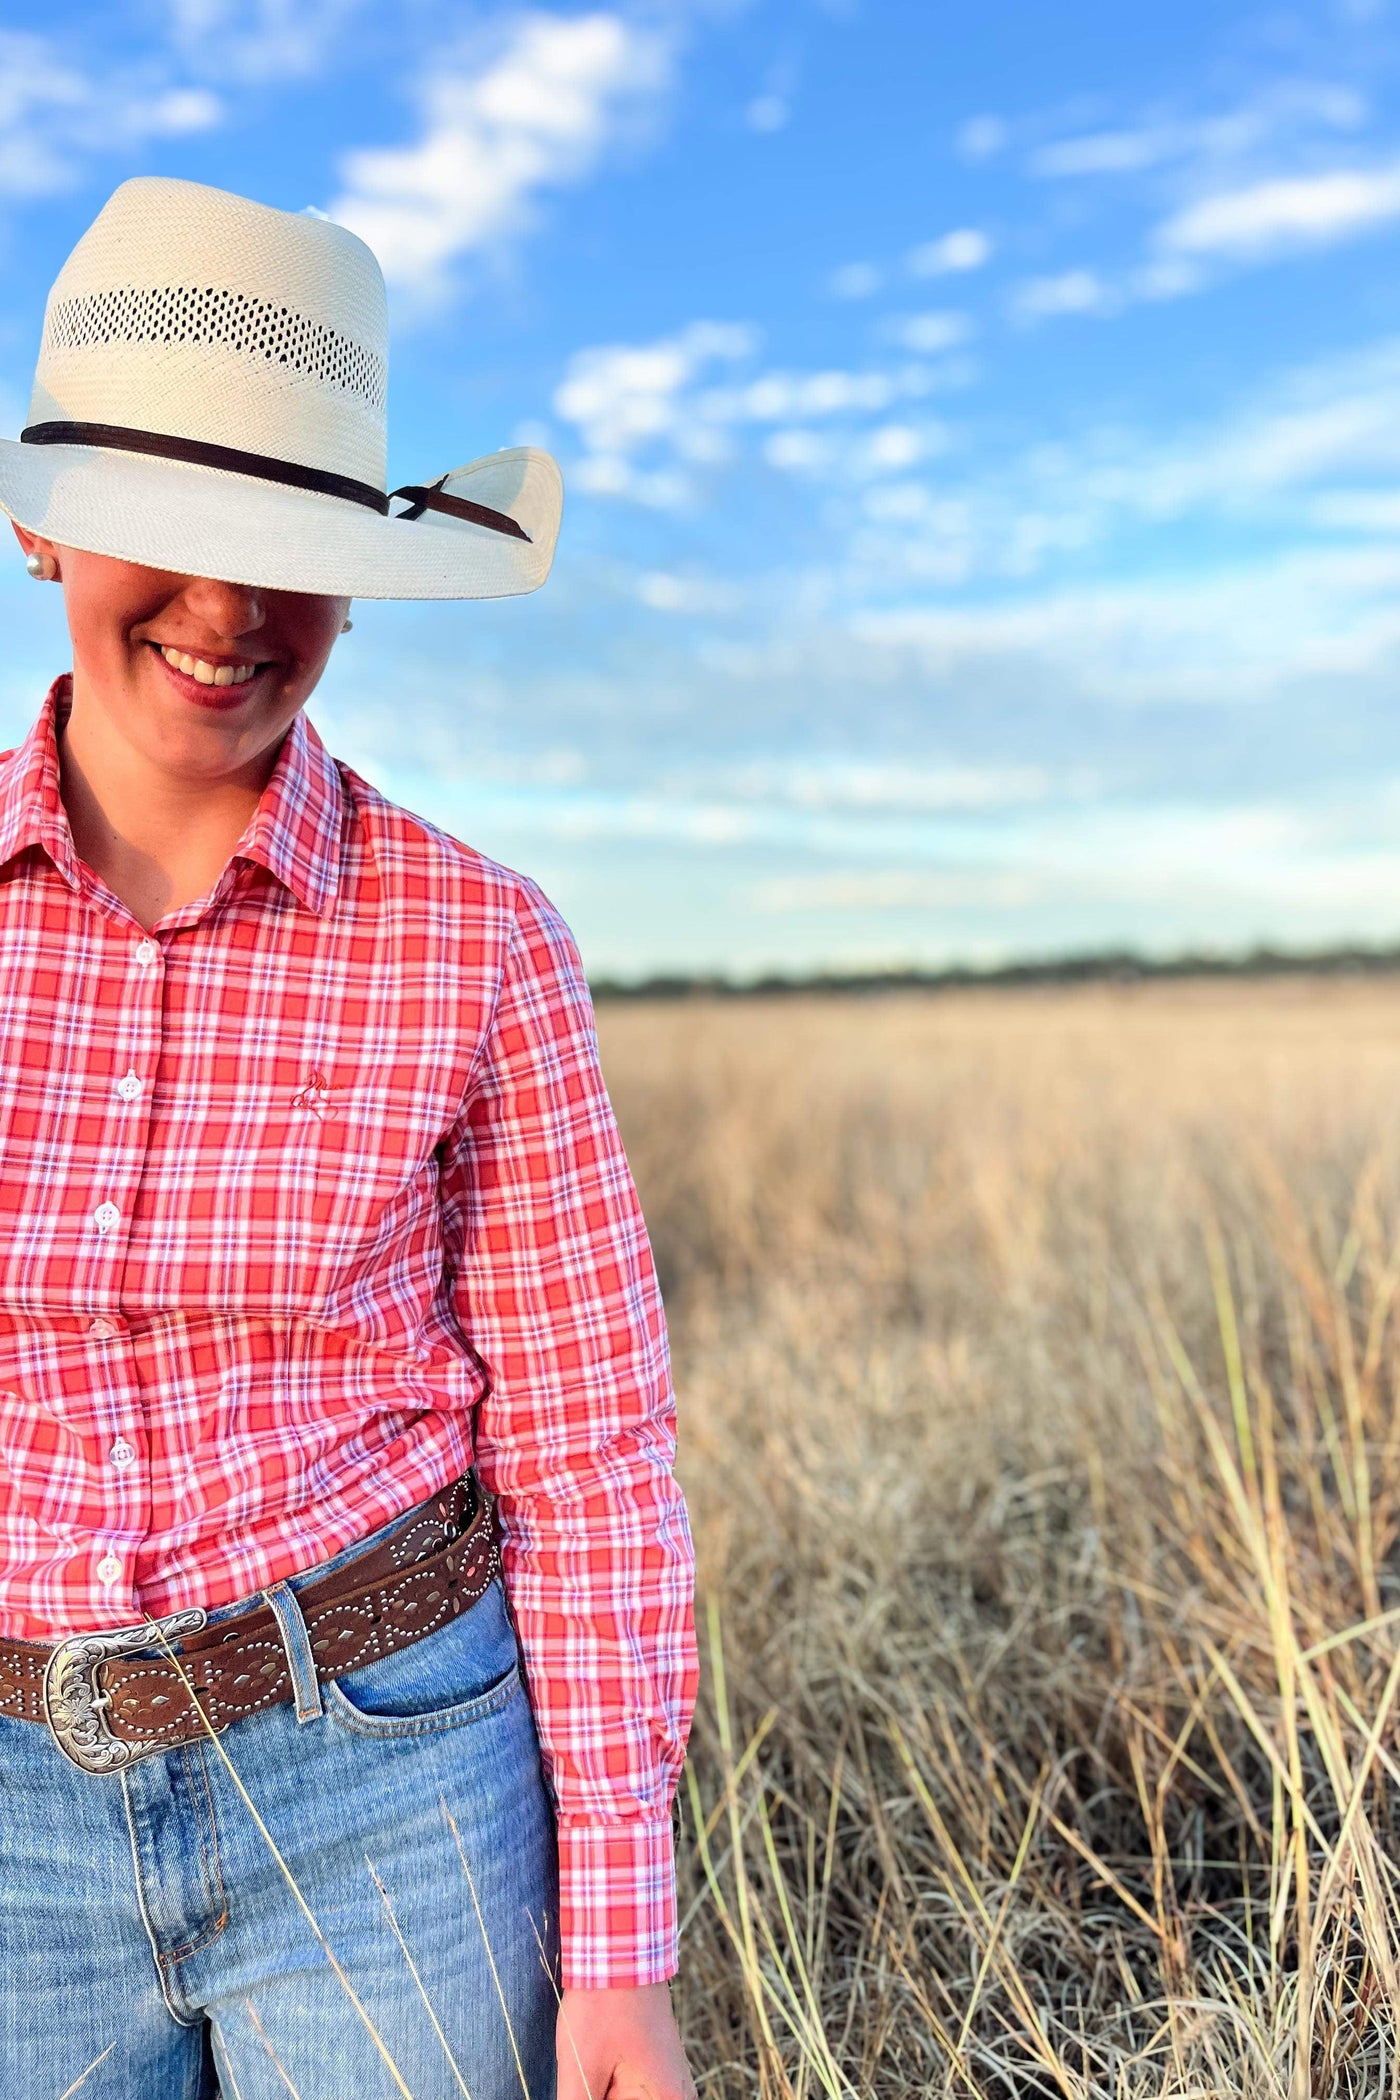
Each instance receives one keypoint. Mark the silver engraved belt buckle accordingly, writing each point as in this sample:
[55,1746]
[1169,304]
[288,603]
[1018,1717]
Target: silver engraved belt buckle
[74,1707]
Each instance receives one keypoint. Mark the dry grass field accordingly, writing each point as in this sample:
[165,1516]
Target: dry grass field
[1038,1361]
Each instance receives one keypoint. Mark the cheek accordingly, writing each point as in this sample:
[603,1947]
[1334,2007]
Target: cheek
[101,635]
[310,625]
[309,667]
[309,646]
[104,600]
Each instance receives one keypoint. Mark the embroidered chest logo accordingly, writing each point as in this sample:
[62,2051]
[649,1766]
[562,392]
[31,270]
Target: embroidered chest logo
[315,1098]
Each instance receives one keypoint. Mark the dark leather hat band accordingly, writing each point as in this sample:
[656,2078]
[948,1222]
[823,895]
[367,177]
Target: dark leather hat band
[193,452]
[432,497]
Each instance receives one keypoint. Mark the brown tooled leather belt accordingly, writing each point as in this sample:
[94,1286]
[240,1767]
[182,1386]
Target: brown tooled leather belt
[109,1698]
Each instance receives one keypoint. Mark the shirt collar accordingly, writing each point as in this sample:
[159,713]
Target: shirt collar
[31,808]
[295,831]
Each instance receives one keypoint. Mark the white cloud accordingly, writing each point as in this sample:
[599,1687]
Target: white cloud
[258,40]
[1236,211]
[1167,277]
[1236,635]
[1296,442]
[779,396]
[630,400]
[911,502]
[1211,874]
[55,117]
[893,447]
[771,109]
[667,591]
[895,889]
[797,451]
[1359,510]
[607,474]
[1070,292]
[927,334]
[620,396]
[858,280]
[858,784]
[1282,111]
[1109,152]
[611,816]
[767,113]
[1319,448]
[537,115]
[966,248]
[181,110]
[1269,217]
[981,137]
[843,458]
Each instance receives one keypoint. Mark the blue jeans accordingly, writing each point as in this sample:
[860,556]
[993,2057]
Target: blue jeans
[146,1928]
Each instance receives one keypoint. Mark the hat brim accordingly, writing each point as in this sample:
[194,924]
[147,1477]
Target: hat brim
[204,521]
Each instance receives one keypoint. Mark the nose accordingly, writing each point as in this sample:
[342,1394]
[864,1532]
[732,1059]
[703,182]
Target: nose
[229,609]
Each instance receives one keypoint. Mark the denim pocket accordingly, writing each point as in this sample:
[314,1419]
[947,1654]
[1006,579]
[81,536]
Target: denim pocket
[466,1670]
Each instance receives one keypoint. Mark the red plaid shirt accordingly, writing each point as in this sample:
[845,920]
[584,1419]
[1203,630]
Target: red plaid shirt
[288,1187]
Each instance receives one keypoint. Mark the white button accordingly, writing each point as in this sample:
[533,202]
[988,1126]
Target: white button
[102,1330]
[130,1087]
[146,953]
[108,1568]
[106,1216]
[121,1454]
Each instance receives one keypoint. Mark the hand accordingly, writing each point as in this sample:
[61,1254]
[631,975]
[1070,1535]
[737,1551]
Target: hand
[620,2044]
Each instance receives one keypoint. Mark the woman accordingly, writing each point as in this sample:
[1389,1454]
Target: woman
[332,1366]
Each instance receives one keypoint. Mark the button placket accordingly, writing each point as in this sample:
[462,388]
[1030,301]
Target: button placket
[116,1422]
[147,997]
[121,1453]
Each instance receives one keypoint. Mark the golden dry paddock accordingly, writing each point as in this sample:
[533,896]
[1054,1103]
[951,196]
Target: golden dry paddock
[1038,1362]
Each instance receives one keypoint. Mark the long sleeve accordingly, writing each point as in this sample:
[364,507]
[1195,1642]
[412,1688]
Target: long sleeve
[556,1292]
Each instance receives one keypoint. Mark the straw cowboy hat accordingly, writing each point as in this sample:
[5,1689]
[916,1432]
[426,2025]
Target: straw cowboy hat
[210,399]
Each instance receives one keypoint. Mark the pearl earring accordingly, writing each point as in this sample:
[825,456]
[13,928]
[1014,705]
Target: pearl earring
[348,625]
[42,567]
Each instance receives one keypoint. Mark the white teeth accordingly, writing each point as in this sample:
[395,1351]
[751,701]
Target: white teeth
[209,674]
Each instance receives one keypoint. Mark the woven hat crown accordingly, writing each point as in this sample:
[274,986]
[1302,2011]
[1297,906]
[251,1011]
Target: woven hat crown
[206,316]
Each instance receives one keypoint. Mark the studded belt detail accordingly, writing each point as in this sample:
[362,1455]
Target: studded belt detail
[108,1699]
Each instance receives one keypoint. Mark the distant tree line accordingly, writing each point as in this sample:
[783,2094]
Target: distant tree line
[1112,966]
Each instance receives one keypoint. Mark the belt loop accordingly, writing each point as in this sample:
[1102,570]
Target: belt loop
[296,1643]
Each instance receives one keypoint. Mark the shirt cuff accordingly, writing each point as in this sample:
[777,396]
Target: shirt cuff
[617,1904]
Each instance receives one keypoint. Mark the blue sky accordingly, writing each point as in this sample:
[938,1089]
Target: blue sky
[980,427]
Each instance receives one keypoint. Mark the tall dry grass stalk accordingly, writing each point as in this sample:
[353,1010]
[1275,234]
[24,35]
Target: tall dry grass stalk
[1038,1367]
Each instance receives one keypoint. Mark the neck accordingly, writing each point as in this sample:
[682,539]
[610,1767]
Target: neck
[157,839]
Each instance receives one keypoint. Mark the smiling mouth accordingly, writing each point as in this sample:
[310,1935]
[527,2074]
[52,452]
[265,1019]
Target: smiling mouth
[205,673]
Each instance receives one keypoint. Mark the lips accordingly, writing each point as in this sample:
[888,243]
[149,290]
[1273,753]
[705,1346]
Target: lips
[208,673]
[203,679]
